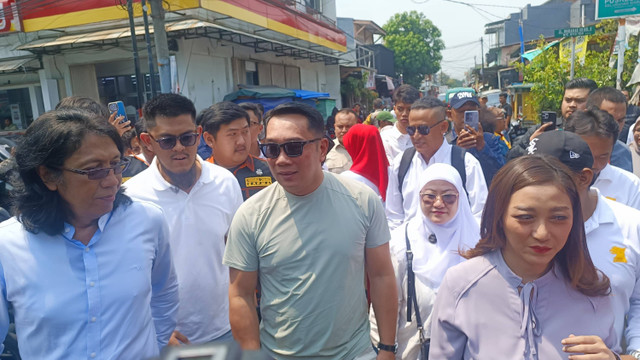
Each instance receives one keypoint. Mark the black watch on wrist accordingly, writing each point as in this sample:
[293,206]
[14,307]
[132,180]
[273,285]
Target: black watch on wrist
[391,348]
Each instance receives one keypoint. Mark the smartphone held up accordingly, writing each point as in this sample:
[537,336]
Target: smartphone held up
[472,119]
[549,117]
[118,108]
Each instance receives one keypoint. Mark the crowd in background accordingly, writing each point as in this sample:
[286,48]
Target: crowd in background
[415,233]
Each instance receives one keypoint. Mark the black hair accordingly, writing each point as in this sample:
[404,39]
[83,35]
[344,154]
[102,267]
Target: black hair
[314,118]
[606,93]
[257,110]
[127,137]
[503,95]
[406,94]
[581,83]
[219,114]
[592,122]
[487,118]
[167,105]
[140,128]
[84,103]
[50,140]
[428,102]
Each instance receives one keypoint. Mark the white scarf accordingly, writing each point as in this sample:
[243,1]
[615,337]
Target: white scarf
[461,233]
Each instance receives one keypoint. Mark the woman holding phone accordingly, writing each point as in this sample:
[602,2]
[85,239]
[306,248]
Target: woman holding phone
[529,289]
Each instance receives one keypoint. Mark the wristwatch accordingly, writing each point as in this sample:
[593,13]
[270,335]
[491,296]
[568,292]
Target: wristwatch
[634,353]
[392,348]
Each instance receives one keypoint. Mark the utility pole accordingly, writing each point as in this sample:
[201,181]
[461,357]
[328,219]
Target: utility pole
[136,59]
[162,47]
[147,37]
[482,68]
[621,49]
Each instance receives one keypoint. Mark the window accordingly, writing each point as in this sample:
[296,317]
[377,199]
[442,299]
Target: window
[251,71]
[314,4]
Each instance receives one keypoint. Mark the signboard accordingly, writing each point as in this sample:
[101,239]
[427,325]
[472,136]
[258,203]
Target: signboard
[580,49]
[9,20]
[574,32]
[606,9]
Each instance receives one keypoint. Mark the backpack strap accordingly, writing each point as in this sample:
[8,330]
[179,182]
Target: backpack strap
[457,161]
[405,164]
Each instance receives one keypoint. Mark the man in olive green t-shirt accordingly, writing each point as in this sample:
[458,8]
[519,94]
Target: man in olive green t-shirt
[310,258]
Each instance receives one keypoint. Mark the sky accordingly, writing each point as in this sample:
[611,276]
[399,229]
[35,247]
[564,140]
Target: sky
[461,26]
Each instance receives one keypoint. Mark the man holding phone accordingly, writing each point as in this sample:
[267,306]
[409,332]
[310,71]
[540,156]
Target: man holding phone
[467,132]
[575,96]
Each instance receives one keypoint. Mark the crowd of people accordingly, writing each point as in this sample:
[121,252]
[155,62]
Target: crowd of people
[413,234]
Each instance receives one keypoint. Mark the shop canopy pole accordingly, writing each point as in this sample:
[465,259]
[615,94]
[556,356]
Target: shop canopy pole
[136,60]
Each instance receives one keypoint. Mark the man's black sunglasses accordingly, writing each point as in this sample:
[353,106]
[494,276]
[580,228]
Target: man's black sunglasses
[291,148]
[422,129]
[169,142]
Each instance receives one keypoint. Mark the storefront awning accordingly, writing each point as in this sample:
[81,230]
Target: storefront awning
[19,65]
[185,28]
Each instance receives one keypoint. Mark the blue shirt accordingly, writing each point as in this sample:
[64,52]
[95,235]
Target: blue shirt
[115,298]
[621,156]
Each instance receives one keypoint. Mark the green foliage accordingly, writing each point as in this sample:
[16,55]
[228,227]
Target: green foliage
[354,90]
[416,43]
[447,80]
[548,73]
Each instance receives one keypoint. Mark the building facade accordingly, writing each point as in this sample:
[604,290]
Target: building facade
[84,47]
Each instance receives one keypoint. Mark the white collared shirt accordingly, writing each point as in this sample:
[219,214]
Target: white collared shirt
[402,207]
[395,142]
[612,238]
[198,223]
[619,185]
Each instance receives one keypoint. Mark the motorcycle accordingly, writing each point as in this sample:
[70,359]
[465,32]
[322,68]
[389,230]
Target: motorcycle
[516,129]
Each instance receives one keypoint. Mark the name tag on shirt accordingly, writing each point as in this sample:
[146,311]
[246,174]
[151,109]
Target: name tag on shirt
[260,181]
[610,198]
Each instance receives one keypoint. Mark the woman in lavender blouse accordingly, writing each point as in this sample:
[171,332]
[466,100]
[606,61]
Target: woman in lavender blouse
[529,289]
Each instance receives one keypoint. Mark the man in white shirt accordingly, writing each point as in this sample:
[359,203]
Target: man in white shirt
[338,159]
[428,125]
[199,200]
[396,140]
[612,231]
[600,131]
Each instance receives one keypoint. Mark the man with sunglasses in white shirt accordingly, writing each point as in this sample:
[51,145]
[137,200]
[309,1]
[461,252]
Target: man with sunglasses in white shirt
[199,200]
[427,127]
[309,239]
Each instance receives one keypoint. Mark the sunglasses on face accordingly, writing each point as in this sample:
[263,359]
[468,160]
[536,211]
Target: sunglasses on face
[101,173]
[169,142]
[421,129]
[431,199]
[291,148]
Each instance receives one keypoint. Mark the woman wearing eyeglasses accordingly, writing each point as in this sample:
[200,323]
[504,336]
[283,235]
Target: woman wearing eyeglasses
[529,289]
[433,239]
[87,271]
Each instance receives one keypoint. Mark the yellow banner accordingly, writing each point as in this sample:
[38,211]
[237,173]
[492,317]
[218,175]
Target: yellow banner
[581,48]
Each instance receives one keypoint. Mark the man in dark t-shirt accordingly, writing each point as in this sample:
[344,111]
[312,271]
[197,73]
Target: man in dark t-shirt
[226,129]
[508,110]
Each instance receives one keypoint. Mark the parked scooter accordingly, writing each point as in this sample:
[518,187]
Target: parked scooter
[516,129]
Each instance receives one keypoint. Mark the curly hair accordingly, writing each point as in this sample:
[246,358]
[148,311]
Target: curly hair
[50,141]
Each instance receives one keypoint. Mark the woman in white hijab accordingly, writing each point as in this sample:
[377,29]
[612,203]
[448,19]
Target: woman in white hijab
[443,228]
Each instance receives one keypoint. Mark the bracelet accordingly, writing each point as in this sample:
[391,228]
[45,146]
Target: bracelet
[634,353]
